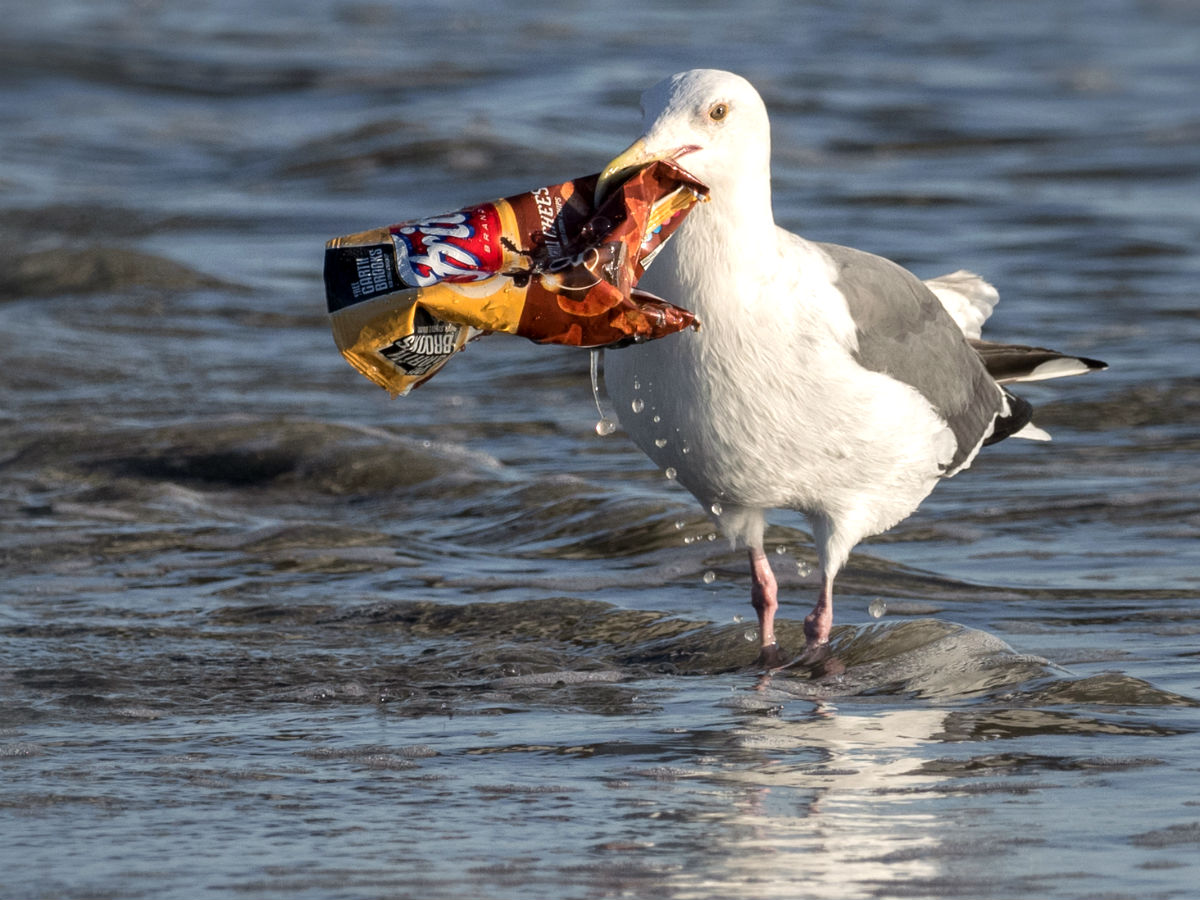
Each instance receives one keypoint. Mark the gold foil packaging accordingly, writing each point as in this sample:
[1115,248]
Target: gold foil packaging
[547,265]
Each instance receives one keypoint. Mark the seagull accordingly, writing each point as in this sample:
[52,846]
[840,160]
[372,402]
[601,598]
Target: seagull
[823,379]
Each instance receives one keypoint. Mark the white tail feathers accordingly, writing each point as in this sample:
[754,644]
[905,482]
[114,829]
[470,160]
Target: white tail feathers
[1032,433]
[967,297]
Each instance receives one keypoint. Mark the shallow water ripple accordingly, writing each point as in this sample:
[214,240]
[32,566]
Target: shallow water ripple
[266,633]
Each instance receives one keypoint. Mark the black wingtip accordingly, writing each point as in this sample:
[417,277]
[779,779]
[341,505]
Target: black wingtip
[1020,414]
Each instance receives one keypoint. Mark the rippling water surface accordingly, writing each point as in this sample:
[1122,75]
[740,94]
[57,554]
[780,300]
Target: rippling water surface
[265,632]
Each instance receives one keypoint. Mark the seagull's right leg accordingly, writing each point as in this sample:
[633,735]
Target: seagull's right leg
[764,599]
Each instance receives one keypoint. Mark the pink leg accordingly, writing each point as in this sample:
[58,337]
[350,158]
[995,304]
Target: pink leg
[819,622]
[764,599]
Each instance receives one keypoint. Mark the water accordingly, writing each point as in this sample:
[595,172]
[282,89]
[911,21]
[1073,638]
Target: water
[266,632]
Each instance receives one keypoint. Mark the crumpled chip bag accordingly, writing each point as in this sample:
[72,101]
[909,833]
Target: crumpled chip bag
[547,265]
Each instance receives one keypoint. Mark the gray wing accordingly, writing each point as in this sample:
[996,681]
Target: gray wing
[905,333]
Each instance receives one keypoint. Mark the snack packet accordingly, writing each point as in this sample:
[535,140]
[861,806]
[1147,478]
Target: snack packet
[546,265]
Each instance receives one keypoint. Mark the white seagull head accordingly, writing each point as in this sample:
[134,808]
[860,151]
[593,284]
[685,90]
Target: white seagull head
[712,123]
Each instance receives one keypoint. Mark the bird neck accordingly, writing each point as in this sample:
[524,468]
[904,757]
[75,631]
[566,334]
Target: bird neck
[741,200]
[722,240]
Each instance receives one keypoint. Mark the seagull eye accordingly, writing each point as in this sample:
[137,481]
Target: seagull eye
[718,111]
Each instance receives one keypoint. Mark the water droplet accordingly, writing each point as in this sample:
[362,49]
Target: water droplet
[660,442]
[710,576]
[605,426]
[737,620]
[637,385]
[780,550]
[670,473]
[688,539]
[686,448]
[750,635]
[803,569]
[717,509]
[657,419]
[596,355]
[711,536]
[637,405]
[877,608]
[679,524]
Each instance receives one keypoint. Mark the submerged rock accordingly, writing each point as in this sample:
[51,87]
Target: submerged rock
[93,270]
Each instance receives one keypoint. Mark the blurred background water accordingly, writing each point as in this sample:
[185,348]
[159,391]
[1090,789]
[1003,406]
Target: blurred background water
[265,632]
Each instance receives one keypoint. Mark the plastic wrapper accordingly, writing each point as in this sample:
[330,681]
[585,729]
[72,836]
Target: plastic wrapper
[547,265]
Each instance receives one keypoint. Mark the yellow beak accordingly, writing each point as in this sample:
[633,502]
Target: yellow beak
[632,158]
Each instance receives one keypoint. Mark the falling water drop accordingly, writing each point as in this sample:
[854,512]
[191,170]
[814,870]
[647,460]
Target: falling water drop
[737,620]
[657,419]
[595,371]
[750,635]
[679,524]
[637,405]
[877,608]
[780,550]
[717,509]
[670,473]
[710,576]
[803,569]
[660,442]
[605,425]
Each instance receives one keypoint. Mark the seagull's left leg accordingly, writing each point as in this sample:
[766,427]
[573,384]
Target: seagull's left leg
[819,623]
[764,599]
[831,553]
